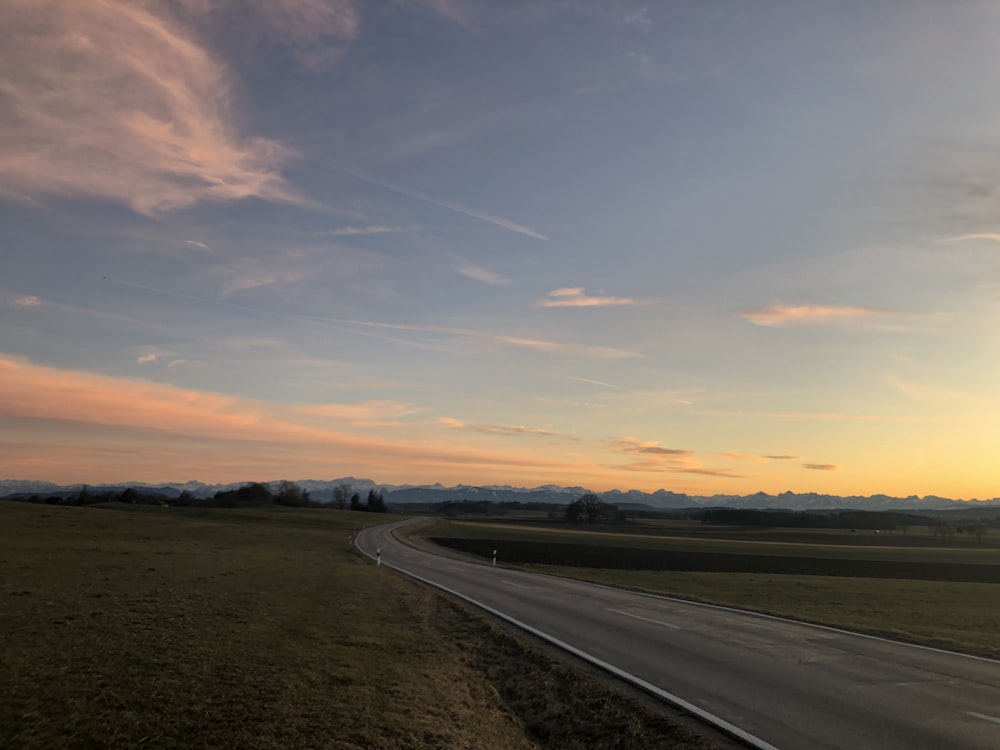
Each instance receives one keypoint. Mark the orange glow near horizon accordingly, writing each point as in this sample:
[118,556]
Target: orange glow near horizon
[68,427]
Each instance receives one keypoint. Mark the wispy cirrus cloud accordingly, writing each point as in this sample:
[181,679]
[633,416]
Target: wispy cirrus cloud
[115,100]
[578,297]
[457,10]
[807,415]
[557,347]
[317,31]
[758,458]
[26,300]
[361,413]
[199,245]
[990,236]
[821,467]
[352,231]
[497,429]
[926,392]
[582,350]
[482,274]
[782,316]
[250,275]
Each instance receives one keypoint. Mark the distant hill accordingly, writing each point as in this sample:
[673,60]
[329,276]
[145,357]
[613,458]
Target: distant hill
[322,490]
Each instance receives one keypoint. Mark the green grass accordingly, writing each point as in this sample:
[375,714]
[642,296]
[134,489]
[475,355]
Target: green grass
[261,628]
[958,616]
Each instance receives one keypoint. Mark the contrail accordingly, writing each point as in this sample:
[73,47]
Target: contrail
[597,382]
[457,207]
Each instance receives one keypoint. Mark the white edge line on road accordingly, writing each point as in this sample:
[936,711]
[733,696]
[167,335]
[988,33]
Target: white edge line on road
[984,717]
[511,583]
[645,619]
[730,729]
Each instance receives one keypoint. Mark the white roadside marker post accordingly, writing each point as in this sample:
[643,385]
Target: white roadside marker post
[494,558]
[378,556]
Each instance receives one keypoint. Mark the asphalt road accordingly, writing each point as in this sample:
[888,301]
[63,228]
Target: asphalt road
[783,684]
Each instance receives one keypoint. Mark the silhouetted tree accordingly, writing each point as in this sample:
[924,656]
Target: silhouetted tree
[356,502]
[184,499]
[376,503]
[341,495]
[291,494]
[589,508]
[254,493]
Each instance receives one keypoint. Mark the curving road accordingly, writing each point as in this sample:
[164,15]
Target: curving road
[772,682]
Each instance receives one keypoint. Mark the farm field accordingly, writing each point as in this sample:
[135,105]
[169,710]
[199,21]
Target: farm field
[261,628]
[938,596]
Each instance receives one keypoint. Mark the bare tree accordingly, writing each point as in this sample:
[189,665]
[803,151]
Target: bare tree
[341,495]
[589,508]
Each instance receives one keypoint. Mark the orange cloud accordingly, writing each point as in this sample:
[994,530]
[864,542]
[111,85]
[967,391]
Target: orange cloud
[656,458]
[631,445]
[577,297]
[76,426]
[779,316]
[112,99]
[745,456]
[821,467]
[758,458]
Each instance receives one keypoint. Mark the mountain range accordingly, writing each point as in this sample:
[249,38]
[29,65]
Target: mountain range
[437,493]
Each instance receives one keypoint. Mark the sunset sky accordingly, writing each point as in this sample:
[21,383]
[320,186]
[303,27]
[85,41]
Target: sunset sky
[705,246]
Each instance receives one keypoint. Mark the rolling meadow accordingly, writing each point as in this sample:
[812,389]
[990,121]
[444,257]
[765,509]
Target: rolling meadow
[261,627]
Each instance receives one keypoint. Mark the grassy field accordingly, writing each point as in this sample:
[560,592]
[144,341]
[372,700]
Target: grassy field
[144,626]
[955,614]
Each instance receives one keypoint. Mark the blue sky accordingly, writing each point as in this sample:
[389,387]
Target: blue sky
[703,246]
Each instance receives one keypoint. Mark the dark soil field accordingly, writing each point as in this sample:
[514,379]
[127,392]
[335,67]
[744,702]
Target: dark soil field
[946,596]
[518,552]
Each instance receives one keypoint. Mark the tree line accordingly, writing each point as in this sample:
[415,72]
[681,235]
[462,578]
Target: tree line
[284,493]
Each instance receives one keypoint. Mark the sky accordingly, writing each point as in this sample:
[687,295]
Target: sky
[704,246]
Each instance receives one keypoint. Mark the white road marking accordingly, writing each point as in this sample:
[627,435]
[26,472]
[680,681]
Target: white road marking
[519,585]
[645,619]
[984,717]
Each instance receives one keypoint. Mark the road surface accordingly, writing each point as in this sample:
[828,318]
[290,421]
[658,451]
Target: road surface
[775,683]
